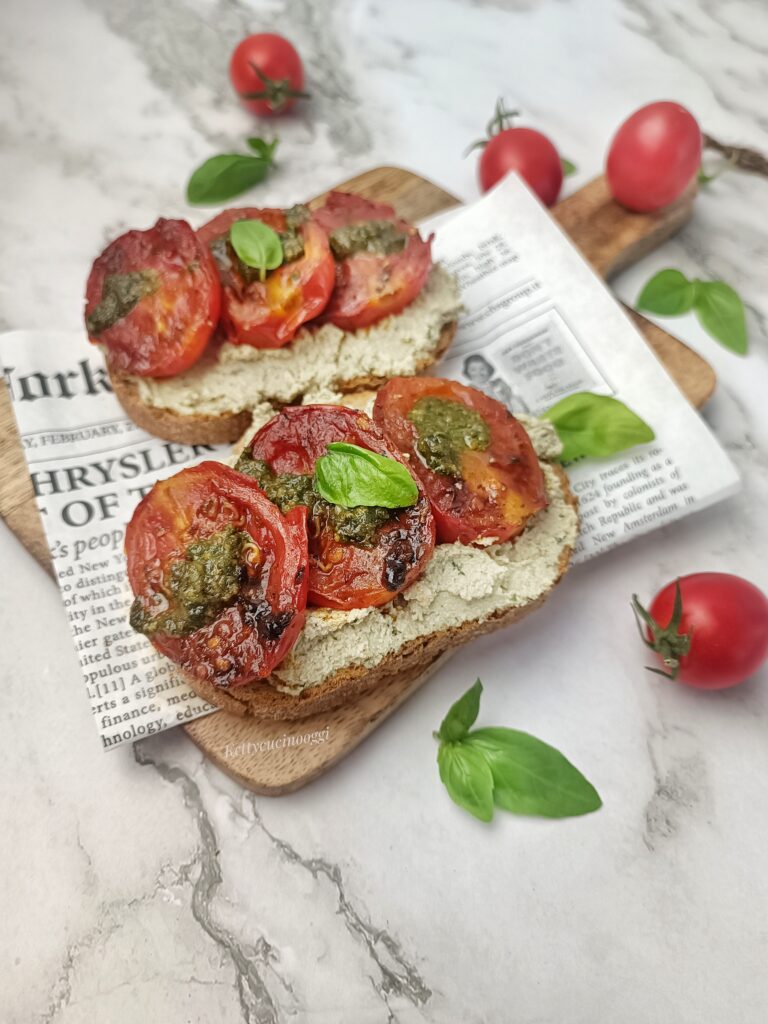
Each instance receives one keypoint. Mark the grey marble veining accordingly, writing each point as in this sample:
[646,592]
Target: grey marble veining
[145,886]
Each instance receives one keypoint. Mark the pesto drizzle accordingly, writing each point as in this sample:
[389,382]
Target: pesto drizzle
[119,294]
[380,236]
[445,430]
[357,525]
[198,586]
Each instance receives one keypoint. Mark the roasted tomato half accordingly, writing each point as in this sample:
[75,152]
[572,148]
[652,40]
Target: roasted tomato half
[381,261]
[360,556]
[268,313]
[474,460]
[220,574]
[153,300]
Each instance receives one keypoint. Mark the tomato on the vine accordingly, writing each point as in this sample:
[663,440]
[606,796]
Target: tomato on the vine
[267,74]
[653,156]
[523,150]
[709,629]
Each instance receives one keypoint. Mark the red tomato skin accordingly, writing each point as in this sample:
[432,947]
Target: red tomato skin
[187,302]
[195,503]
[268,314]
[371,286]
[529,153]
[653,156]
[346,576]
[729,619]
[277,58]
[463,510]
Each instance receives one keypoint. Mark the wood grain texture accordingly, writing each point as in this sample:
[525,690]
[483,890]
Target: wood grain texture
[611,239]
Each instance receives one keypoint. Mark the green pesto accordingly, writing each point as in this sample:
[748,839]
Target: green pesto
[445,430]
[380,236]
[119,294]
[198,586]
[357,525]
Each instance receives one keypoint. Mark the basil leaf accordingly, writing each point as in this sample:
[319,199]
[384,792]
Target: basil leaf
[266,150]
[461,715]
[465,774]
[596,425]
[668,293]
[568,167]
[530,777]
[222,177]
[256,244]
[721,314]
[350,476]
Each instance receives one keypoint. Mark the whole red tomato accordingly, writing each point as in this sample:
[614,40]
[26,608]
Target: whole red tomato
[267,74]
[710,629]
[524,150]
[654,156]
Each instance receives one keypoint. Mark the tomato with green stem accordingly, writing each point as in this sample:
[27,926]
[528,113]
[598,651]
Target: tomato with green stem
[709,630]
[527,152]
[267,74]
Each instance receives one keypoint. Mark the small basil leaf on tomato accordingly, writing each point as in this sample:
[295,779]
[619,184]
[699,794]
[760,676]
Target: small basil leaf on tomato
[721,314]
[668,293]
[466,775]
[462,714]
[256,244]
[530,776]
[596,425]
[568,166]
[222,177]
[351,476]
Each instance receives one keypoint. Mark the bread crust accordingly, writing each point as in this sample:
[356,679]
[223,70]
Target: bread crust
[227,427]
[262,700]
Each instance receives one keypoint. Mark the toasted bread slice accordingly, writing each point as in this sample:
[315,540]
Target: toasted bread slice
[464,593]
[212,402]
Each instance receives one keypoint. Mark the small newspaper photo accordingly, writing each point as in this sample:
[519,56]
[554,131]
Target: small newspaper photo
[538,326]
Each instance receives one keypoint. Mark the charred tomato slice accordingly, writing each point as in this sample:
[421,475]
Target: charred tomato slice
[268,313]
[357,557]
[474,460]
[381,260]
[219,573]
[152,299]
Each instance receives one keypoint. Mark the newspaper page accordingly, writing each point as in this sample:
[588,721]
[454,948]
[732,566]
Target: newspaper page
[538,326]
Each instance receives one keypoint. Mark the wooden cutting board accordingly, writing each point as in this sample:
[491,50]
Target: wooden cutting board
[278,757]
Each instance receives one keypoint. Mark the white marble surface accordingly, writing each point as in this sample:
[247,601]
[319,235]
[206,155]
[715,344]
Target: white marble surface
[144,886]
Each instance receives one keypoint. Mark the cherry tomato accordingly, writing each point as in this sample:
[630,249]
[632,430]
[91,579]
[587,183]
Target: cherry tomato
[257,626]
[267,74]
[499,486]
[342,574]
[371,285]
[717,636]
[152,299]
[653,156]
[529,153]
[267,314]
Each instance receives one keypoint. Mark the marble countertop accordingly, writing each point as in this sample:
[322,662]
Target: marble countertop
[144,885]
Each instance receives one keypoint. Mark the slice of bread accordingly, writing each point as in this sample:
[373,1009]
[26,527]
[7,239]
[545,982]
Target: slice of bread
[212,402]
[464,592]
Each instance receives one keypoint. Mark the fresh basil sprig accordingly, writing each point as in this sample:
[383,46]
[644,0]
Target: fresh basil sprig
[596,425]
[227,175]
[257,245]
[507,769]
[351,476]
[718,307]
